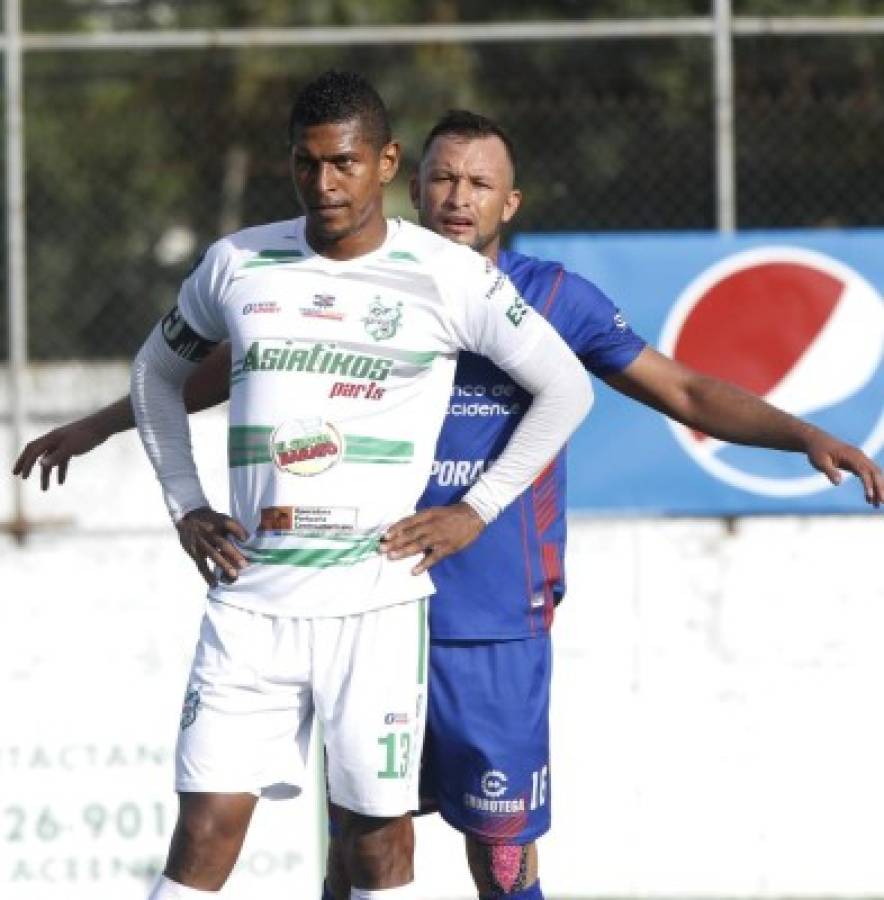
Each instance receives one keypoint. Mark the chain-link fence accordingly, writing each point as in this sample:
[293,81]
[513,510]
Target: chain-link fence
[136,158]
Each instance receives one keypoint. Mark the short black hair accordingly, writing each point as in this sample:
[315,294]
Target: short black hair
[467,124]
[336,97]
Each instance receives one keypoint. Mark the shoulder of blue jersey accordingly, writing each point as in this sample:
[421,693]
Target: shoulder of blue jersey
[579,310]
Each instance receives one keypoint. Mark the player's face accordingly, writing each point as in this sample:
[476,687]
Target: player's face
[339,177]
[464,190]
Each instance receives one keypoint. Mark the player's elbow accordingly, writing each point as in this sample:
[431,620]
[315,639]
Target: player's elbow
[580,394]
[138,375]
[587,396]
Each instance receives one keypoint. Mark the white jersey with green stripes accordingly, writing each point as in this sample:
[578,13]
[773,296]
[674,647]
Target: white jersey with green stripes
[341,375]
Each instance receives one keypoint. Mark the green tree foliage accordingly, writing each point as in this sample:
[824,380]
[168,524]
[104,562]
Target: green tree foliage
[136,160]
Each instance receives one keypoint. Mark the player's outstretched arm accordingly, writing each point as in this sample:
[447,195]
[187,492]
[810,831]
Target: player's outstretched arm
[727,412]
[55,449]
[208,386]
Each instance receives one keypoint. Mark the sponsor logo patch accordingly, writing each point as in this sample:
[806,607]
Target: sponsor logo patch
[306,446]
[493,783]
[396,719]
[311,520]
[517,311]
[494,807]
[456,472]
[353,391]
[321,359]
[323,307]
[496,285]
[261,307]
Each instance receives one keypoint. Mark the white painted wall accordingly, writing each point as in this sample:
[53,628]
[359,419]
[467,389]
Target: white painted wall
[716,701]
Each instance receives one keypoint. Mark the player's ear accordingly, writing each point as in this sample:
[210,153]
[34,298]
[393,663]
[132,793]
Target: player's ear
[414,191]
[511,205]
[391,154]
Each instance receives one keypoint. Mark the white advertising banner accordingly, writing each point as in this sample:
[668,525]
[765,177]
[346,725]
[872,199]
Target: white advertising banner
[95,643]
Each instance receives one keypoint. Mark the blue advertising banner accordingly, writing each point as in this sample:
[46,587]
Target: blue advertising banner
[797,317]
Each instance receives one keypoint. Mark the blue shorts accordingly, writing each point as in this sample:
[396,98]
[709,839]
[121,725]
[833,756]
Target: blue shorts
[486,754]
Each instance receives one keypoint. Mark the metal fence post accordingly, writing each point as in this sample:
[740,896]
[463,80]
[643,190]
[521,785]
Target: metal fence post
[16,277]
[723,81]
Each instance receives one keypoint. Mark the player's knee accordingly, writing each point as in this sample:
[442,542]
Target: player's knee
[212,824]
[504,870]
[378,851]
[207,839]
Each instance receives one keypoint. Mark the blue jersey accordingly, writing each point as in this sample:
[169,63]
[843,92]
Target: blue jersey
[506,584]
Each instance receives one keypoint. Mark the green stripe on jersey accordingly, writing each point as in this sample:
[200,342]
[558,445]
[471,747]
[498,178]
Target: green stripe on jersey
[243,430]
[273,257]
[359,448]
[415,357]
[250,446]
[422,641]
[316,558]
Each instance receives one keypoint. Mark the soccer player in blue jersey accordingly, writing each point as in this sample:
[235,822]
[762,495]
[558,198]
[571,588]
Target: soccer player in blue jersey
[486,759]
[487,754]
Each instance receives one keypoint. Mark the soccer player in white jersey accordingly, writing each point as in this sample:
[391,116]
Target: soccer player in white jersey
[345,329]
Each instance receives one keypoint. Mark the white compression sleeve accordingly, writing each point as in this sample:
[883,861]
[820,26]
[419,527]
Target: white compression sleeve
[562,397]
[158,375]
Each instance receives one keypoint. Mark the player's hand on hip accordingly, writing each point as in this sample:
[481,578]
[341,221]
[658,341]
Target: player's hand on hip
[205,535]
[830,456]
[54,451]
[436,533]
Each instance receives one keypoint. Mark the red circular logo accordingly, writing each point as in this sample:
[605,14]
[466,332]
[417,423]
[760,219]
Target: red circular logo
[798,328]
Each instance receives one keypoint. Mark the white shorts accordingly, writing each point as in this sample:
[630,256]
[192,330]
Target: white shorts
[258,680]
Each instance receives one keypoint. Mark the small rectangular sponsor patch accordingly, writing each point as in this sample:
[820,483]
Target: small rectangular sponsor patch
[323,307]
[324,518]
[393,718]
[315,520]
[261,307]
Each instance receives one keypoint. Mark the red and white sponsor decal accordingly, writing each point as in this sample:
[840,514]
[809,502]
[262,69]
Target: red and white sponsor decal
[306,446]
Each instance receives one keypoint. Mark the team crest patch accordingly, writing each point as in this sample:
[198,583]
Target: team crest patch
[190,708]
[383,320]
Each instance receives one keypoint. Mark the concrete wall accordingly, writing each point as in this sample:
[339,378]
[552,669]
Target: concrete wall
[716,701]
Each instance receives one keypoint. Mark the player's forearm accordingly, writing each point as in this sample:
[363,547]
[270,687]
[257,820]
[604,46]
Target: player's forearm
[728,413]
[562,396]
[158,376]
[110,420]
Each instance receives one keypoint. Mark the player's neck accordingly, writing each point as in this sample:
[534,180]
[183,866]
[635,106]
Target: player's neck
[365,239]
[492,251]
